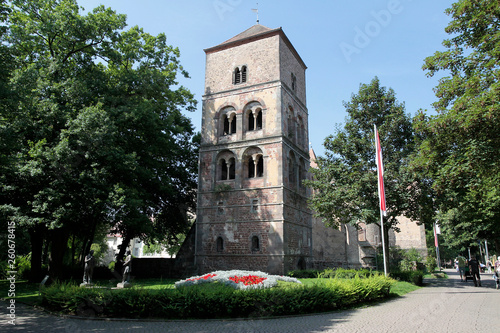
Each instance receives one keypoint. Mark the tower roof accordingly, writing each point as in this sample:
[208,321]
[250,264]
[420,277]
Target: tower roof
[254,33]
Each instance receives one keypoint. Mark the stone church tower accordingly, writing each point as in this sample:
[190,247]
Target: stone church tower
[252,207]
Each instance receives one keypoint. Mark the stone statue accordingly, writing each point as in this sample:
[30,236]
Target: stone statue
[89,267]
[128,267]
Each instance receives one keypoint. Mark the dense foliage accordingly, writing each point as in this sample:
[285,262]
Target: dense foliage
[459,148]
[93,138]
[345,182]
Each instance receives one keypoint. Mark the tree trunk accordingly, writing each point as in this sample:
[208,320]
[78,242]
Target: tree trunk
[36,238]
[59,244]
[73,250]
[121,254]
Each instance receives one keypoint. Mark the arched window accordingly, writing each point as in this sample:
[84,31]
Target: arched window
[233,124]
[223,169]
[255,166]
[291,170]
[229,120]
[231,169]
[226,166]
[258,119]
[244,74]
[291,124]
[237,75]
[240,76]
[226,125]
[260,166]
[253,163]
[302,174]
[253,114]
[294,82]
[300,132]
[255,244]
[251,168]
[251,121]
[220,244]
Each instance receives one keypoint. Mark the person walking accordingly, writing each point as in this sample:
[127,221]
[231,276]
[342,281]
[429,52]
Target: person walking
[461,267]
[497,271]
[474,270]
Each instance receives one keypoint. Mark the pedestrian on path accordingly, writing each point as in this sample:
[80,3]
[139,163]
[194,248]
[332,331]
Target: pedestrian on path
[474,270]
[461,266]
[497,272]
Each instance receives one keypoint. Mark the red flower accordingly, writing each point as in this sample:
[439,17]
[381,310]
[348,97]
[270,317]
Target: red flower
[247,280]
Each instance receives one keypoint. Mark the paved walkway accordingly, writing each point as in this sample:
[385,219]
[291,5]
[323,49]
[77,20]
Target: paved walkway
[443,306]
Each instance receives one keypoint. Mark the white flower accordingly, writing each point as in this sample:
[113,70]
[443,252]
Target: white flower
[224,277]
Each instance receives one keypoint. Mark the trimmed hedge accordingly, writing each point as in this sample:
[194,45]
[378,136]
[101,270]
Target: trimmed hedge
[414,277]
[215,301]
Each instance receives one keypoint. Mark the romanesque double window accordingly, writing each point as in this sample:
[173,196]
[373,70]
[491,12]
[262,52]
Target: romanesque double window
[255,166]
[229,121]
[296,172]
[240,75]
[296,128]
[252,116]
[226,166]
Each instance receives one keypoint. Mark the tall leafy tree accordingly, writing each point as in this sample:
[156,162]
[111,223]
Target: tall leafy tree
[459,152]
[99,133]
[345,182]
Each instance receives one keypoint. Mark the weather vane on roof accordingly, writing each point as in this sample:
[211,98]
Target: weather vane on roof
[256,10]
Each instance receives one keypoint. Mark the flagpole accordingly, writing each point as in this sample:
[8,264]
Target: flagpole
[436,243]
[381,190]
[383,241]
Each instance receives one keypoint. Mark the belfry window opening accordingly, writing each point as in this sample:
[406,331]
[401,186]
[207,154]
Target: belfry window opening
[240,75]
[227,169]
[229,124]
[255,120]
[255,166]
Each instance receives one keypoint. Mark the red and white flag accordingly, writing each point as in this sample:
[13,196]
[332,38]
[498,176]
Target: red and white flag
[380,172]
[437,231]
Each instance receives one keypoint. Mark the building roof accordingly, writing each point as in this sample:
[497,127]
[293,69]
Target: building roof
[254,33]
[312,158]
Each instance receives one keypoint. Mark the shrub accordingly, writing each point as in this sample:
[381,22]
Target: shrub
[304,273]
[430,264]
[215,300]
[23,266]
[342,273]
[415,277]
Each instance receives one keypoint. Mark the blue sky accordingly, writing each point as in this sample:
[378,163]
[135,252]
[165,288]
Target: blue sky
[343,43]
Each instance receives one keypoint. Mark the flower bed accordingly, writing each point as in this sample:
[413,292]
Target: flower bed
[217,302]
[238,279]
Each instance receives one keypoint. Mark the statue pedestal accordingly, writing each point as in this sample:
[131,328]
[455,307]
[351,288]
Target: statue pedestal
[123,285]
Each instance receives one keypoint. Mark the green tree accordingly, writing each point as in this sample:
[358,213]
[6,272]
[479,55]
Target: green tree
[99,134]
[345,182]
[459,151]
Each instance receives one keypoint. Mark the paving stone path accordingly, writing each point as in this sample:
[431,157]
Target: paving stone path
[445,305]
